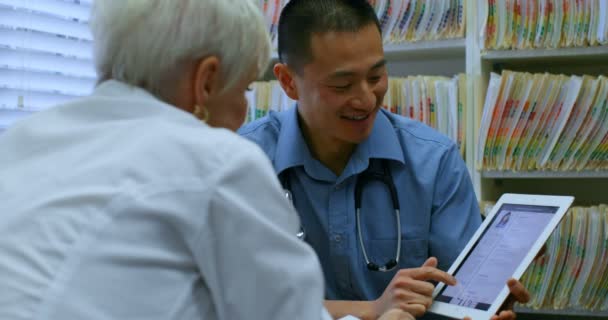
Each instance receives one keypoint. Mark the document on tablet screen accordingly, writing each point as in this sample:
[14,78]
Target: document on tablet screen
[496,255]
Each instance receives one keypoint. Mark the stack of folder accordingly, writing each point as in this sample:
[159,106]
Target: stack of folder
[418,20]
[544,122]
[266,96]
[401,20]
[271,9]
[526,24]
[572,273]
[436,101]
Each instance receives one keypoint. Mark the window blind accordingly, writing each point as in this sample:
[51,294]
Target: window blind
[45,55]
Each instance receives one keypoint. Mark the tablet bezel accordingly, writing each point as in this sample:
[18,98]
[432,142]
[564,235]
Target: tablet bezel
[562,202]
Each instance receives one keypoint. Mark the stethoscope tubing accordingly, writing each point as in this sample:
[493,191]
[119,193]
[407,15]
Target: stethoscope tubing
[362,180]
[386,178]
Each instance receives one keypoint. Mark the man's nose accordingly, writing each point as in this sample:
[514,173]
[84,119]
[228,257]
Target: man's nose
[364,98]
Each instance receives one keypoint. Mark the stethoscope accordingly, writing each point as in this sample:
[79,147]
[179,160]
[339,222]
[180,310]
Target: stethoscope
[367,176]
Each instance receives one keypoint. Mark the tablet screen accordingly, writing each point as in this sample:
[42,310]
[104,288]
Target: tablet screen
[496,255]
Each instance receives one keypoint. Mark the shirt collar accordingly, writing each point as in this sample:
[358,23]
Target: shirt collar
[382,142]
[114,87]
[292,150]
[140,99]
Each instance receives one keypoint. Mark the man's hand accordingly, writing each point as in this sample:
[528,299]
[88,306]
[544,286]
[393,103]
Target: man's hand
[410,290]
[518,294]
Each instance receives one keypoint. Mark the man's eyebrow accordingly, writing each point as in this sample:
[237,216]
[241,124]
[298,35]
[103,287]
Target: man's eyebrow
[379,64]
[347,73]
[341,74]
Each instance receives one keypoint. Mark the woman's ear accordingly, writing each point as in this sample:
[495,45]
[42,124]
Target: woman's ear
[285,76]
[207,80]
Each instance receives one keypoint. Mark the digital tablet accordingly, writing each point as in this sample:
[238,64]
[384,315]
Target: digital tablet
[506,243]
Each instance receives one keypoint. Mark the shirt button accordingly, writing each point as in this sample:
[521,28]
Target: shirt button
[337,238]
[339,186]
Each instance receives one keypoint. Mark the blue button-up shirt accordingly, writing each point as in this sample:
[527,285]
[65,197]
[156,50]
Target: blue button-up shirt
[439,210]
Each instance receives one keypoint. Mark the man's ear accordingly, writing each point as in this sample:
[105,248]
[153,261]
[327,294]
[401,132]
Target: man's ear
[206,80]
[285,76]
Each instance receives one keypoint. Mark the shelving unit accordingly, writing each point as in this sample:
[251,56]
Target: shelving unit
[588,187]
[584,185]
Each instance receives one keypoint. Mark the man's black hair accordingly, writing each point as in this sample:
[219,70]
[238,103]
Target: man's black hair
[300,19]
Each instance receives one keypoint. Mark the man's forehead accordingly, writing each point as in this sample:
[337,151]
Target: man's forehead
[341,71]
[344,53]
[364,42]
[335,37]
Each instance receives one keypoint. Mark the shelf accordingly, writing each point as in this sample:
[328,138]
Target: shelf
[570,313]
[547,55]
[449,48]
[544,174]
[436,49]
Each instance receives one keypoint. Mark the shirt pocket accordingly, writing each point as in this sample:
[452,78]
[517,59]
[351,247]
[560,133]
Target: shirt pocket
[413,254]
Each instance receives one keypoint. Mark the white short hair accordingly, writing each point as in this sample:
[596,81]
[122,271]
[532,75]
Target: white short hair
[142,42]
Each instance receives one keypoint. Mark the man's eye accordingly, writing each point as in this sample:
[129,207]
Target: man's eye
[344,87]
[375,79]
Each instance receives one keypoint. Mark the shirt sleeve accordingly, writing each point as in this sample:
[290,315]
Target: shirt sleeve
[455,215]
[250,257]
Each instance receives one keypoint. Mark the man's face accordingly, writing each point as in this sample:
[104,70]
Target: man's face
[341,89]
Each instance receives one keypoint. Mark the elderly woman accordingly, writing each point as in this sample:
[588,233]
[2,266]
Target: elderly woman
[125,205]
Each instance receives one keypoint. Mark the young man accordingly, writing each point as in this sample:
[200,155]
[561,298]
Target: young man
[338,151]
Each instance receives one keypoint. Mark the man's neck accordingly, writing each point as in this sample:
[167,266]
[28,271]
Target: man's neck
[330,152]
